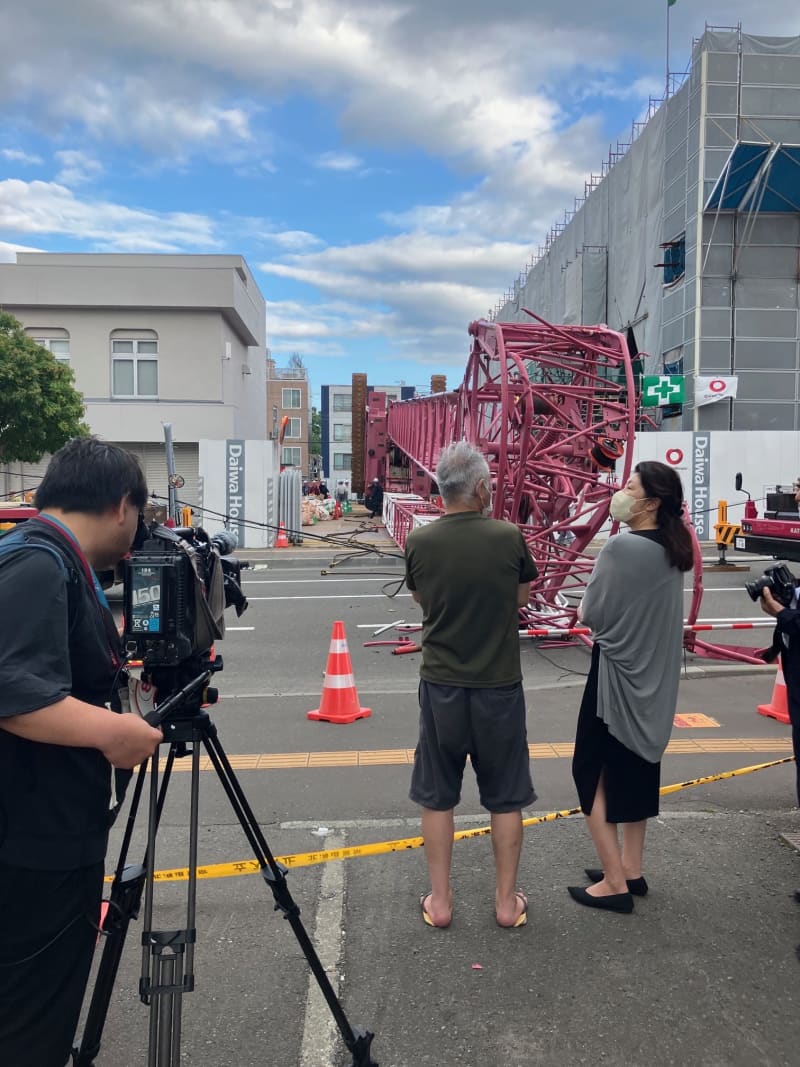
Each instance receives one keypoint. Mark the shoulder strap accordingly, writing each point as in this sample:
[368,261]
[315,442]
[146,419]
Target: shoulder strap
[20,540]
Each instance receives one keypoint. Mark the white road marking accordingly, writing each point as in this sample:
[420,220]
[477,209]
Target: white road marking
[719,589]
[320,1034]
[316,581]
[229,628]
[334,596]
[405,691]
[410,822]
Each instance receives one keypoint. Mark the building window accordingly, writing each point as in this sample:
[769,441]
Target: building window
[293,428]
[674,260]
[59,347]
[134,367]
[342,401]
[342,432]
[342,461]
[290,398]
[290,457]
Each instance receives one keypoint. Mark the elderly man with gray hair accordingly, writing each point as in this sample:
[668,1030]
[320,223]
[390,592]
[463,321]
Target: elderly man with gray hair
[470,574]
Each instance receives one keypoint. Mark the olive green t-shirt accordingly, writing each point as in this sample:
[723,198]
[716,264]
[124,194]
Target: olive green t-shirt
[466,570]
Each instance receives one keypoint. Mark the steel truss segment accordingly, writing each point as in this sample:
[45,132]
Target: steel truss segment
[549,406]
[422,426]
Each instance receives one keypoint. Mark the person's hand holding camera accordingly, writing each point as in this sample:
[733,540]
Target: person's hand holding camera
[768,602]
[130,740]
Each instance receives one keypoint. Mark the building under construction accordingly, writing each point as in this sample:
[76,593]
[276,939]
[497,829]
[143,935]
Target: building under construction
[689,238]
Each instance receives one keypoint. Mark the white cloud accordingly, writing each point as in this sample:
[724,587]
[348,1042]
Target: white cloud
[294,240]
[455,77]
[164,117]
[343,161]
[493,90]
[412,295]
[410,257]
[16,155]
[50,208]
[290,322]
[77,168]
[8,251]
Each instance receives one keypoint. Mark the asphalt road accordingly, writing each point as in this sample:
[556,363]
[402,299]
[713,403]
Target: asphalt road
[704,969]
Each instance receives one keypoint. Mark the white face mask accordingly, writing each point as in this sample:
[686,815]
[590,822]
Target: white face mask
[621,506]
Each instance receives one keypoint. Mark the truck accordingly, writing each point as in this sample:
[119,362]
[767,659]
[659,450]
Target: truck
[777,533]
[12,513]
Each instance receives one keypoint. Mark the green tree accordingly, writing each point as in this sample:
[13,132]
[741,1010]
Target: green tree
[40,409]
[316,432]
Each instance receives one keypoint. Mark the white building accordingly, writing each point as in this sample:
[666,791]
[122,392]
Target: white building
[336,418]
[151,339]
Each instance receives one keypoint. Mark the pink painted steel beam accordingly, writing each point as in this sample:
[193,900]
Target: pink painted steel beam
[550,407]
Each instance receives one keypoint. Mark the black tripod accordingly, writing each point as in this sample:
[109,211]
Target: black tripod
[168,955]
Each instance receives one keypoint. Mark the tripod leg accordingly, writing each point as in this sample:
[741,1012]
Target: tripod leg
[168,955]
[358,1041]
[124,903]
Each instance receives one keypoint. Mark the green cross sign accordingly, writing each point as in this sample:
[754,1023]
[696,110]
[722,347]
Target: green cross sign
[660,390]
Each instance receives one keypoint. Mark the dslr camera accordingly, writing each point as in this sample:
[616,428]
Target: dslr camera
[779,580]
[177,584]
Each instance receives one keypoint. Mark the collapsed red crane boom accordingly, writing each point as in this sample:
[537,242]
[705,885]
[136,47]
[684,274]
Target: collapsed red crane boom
[552,408]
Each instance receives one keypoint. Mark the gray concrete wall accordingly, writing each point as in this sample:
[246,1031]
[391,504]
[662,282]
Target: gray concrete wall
[749,293]
[736,309]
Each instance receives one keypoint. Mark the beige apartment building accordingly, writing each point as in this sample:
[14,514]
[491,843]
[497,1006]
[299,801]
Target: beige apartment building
[152,339]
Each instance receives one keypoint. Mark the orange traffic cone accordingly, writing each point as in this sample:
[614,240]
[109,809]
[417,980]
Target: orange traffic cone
[282,541]
[339,702]
[778,707]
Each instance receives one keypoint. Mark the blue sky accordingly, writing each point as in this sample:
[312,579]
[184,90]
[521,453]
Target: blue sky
[387,167]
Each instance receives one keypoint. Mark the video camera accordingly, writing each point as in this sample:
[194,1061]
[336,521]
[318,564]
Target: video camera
[177,584]
[779,580]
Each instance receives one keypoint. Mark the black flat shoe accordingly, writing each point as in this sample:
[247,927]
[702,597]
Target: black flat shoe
[637,886]
[620,902]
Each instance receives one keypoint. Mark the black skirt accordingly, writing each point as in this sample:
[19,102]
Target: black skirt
[631,783]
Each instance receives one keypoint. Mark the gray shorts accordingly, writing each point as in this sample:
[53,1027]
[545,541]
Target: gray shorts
[488,725]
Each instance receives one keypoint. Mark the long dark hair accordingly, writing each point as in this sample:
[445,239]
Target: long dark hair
[662,483]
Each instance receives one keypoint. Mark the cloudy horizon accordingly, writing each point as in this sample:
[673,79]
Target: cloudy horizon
[387,169]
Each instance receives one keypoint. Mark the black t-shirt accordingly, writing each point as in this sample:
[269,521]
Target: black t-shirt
[54,800]
[467,570]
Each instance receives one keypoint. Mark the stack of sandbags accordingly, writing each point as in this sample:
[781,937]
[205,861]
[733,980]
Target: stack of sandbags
[312,510]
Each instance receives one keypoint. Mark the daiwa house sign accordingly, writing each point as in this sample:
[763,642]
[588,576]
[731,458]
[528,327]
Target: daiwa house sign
[234,495]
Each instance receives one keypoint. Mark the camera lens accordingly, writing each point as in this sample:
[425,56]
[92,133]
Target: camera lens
[754,589]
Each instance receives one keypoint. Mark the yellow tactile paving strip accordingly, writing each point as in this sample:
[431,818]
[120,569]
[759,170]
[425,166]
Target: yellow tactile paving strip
[279,761]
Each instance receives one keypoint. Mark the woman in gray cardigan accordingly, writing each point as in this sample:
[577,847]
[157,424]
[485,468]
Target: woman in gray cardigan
[634,606]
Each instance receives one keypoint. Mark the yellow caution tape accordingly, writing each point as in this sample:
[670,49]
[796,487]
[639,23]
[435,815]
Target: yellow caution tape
[309,859]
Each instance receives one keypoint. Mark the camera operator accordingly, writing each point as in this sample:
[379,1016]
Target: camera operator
[60,662]
[786,643]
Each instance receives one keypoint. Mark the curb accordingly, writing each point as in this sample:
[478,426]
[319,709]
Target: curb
[691,673]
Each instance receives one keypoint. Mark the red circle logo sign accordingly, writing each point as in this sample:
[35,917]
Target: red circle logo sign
[674,456]
[716,385]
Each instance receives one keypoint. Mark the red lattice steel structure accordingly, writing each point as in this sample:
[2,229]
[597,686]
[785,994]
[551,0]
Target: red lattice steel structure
[550,407]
